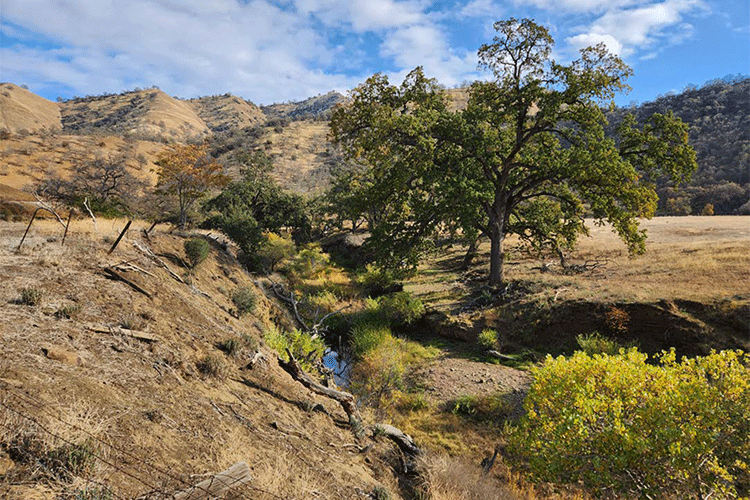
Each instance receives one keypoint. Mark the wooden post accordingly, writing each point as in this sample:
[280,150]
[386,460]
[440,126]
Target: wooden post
[217,484]
[117,241]
[70,216]
[28,227]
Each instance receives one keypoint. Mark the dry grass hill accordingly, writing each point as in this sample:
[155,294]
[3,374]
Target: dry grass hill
[227,112]
[21,110]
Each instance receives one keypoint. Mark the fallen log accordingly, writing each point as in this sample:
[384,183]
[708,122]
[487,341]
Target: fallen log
[144,336]
[146,250]
[217,484]
[345,399]
[404,441]
[114,275]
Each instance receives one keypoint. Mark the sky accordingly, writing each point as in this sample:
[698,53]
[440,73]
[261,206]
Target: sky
[270,51]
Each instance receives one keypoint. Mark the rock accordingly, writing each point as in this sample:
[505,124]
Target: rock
[61,355]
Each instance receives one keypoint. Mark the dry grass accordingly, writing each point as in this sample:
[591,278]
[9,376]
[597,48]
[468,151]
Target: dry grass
[687,258]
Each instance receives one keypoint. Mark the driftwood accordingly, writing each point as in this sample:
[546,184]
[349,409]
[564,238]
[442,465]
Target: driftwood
[43,204]
[112,274]
[91,214]
[498,355]
[220,483]
[346,400]
[404,441]
[146,250]
[136,334]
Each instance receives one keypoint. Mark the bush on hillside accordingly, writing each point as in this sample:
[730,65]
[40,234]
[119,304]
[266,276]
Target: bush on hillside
[196,250]
[622,424]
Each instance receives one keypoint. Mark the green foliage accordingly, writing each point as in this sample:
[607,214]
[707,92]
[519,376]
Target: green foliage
[401,308]
[381,493]
[71,460]
[274,250]
[594,343]
[93,493]
[487,339]
[69,311]
[493,408]
[244,300]
[196,250]
[306,348]
[255,204]
[31,296]
[622,424]
[376,280]
[529,170]
[309,263]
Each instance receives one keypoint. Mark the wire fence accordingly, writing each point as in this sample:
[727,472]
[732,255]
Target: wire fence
[70,462]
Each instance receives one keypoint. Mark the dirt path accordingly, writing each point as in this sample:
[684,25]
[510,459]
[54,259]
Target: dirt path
[449,378]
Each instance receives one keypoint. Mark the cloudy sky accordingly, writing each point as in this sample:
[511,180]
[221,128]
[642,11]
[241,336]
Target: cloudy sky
[276,50]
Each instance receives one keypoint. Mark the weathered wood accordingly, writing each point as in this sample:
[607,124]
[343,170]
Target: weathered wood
[146,250]
[499,355]
[67,225]
[117,241]
[112,274]
[220,483]
[88,209]
[345,399]
[136,334]
[404,441]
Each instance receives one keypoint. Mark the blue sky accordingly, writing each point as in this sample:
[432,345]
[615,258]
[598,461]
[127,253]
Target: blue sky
[271,51]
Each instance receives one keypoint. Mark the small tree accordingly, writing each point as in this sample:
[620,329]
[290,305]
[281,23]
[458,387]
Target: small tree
[196,250]
[188,172]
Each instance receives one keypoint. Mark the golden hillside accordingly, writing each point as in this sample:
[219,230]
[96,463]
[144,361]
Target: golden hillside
[226,112]
[22,110]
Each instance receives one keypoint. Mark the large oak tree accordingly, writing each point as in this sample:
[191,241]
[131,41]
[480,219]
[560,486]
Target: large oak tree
[528,155]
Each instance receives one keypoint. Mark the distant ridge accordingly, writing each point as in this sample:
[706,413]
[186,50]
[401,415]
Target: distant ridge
[148,112]
[318,107]
[23,110]
[222,113]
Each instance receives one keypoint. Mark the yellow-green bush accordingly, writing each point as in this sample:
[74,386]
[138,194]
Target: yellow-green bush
[301,344]
[618,423]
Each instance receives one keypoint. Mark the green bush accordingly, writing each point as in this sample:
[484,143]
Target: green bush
[594,343]
[366,337]
[274,250]
[244,300]
[401,308]
[487,339]
[302,346]
[494,408]
[622,424]
[31,296]
[196,250]
[230,346]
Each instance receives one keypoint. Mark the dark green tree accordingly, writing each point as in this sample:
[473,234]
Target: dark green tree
[255,204]
[528,155]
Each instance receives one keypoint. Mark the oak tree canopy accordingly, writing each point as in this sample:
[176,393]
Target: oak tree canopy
[528,155]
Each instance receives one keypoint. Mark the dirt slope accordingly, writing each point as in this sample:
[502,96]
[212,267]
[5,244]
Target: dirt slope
[23,110]
[151,413]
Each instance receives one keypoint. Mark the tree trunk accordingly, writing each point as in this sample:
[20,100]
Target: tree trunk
[471,254]
[497,236]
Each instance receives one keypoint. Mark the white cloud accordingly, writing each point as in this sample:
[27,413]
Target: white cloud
[626,31]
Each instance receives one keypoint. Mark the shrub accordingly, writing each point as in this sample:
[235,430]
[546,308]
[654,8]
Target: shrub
[93,493]
[230,346]
[594,343]
[307,349]
[659,429]
[401,308]
[71,460]
[31,296]
[196,250]
[274,250]
[68,312]
[494,408]
[244,300]
[487,339]
[309,263]
[212,366]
